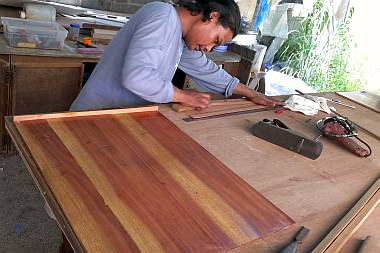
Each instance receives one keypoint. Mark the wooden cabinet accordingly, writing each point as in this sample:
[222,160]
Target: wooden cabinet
[37,84]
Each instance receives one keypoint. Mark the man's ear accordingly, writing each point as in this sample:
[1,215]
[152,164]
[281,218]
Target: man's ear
[214,15]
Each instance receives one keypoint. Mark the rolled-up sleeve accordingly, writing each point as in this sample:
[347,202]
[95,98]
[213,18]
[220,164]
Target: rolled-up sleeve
[206,74]
[140,73]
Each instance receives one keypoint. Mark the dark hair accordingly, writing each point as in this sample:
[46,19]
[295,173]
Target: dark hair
[228,9]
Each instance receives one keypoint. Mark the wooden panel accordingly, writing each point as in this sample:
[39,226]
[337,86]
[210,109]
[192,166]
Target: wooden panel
[134,182]
[244,71]
[38,88]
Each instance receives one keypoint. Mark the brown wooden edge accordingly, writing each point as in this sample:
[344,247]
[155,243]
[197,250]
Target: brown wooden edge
[336,238]
[237,101]
[83,113]
[43,186]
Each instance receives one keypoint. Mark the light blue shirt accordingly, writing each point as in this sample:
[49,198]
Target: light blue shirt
[138,65]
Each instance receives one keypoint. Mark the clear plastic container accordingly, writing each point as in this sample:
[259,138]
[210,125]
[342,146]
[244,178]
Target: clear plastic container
[40,12]
[33,34]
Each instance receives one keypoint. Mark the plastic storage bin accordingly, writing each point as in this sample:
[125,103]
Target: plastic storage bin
[33,34]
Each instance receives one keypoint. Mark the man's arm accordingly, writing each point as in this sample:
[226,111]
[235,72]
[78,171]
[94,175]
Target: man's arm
[201,100]
[255,96]
[211,77]
[206,74]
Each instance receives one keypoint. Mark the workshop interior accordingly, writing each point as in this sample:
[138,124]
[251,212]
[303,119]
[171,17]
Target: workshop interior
[205,126]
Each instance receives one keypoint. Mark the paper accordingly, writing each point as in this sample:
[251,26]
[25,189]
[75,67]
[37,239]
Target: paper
[308,106]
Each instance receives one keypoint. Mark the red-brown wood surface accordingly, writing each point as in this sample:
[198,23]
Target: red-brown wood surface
[134,182]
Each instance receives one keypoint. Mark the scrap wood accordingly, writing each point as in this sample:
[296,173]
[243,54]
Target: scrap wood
[239,101]
[351,222]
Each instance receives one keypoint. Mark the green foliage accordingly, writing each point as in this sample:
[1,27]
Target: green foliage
[320,52]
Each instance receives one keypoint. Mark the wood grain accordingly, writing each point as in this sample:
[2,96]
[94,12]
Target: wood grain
[133,182]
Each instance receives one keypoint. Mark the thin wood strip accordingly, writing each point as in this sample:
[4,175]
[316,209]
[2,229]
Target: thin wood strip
[237,101]
[229,111]
[83,113]
[359,207]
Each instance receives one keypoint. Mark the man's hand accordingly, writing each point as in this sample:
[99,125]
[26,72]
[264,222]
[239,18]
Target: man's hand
[256,97]
[196,99]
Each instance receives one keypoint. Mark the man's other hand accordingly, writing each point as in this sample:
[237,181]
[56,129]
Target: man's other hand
[256,97]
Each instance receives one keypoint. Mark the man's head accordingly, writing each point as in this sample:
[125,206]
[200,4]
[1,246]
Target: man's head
[219,22]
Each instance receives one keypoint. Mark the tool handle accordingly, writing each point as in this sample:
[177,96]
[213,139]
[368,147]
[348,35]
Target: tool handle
[301,235]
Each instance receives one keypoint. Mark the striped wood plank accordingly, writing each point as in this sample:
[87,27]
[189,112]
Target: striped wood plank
[134,182]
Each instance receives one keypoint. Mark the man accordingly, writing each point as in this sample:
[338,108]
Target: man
[139,63]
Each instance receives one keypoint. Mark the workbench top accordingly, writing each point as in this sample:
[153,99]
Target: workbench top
[314,193]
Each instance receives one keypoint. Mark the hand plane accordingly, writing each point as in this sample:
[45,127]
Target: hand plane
[278,133]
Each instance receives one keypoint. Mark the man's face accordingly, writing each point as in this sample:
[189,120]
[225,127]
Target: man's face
[204,36]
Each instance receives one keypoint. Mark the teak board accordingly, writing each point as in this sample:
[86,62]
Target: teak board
[134,182]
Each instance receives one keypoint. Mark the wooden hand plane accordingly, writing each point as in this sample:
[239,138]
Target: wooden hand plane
[278,133]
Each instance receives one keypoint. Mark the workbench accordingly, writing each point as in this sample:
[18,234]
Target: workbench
[314,193]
